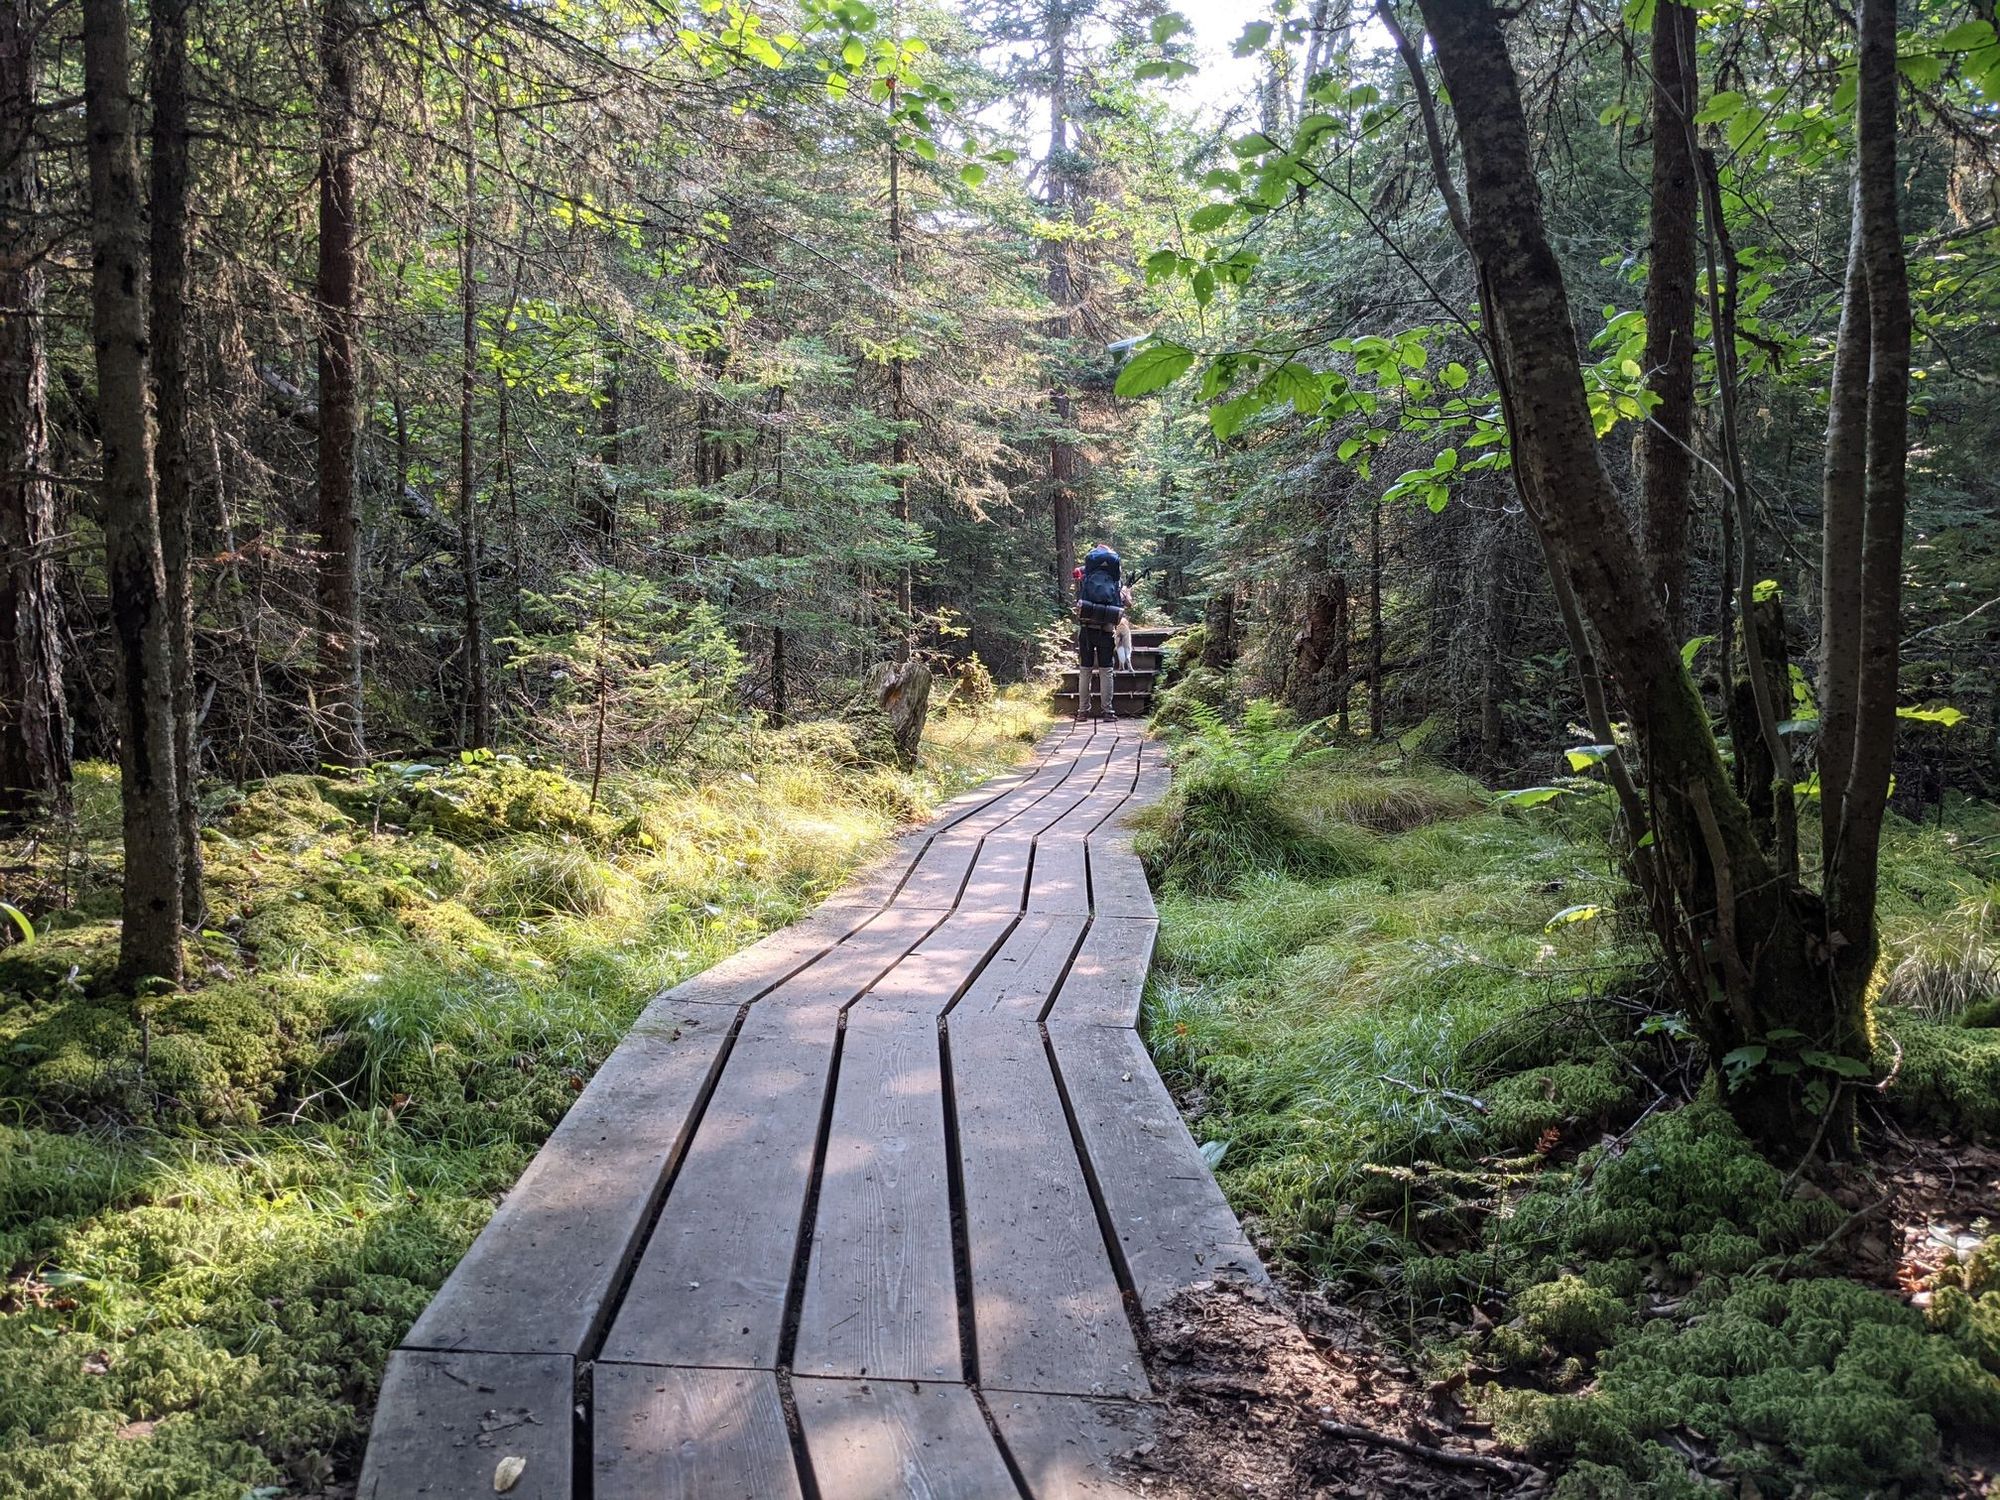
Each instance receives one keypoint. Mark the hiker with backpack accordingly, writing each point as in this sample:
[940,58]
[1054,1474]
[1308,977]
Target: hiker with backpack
[1100,605]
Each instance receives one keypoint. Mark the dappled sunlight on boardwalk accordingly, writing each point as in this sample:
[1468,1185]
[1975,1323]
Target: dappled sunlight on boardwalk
[878,1207]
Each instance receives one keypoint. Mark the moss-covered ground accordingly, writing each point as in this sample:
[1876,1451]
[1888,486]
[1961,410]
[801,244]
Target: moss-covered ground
[220,1209]
[1414,1023]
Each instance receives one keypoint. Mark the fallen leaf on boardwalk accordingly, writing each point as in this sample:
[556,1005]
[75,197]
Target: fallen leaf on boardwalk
[507,1473]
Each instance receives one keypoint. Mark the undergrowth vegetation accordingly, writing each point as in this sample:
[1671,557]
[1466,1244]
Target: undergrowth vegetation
[1420,1029]
[220,1209]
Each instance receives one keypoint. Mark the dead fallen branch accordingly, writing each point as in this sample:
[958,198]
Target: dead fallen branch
[1509,1468]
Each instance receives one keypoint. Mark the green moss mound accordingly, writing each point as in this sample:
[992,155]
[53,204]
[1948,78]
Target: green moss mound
[1524,1107]
[1690,1188]
[1402,1060]
[1196,691]
[1949,1077]
[489,797]
[1817,1379]
[220,1209]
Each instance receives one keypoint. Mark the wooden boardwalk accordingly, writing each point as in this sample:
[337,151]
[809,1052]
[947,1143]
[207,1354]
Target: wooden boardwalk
[878,1207]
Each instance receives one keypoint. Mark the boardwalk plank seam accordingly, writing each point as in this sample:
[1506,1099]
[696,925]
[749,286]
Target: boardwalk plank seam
[1073,798]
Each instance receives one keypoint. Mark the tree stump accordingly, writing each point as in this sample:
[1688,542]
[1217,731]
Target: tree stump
[888,714]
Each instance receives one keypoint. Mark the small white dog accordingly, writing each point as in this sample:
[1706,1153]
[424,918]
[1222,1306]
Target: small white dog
[1122,636]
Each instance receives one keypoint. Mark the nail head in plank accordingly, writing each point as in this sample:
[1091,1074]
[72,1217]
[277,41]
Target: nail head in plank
[710,1287]
[536,1279]
[881,1299]
[879,1440]
[1174,1227]
[1024,973]
[661,1434]
[1047,1311]
[1105,983]
[1071,1447]
[445,1421]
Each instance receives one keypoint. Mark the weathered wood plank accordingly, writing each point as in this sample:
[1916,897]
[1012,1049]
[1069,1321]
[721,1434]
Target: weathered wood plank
[1106,982]
[1047,1311]
[1059,880]
[1118,882]
[839,977]
[938,876]
[1071,1447]
[1079,784]
[880,1295]
[710,1287]
[1055,771]
[661,1434]
[877,881]
[1017,984]
[999,877]
[445,1422]
[1112,790]
[536,1279]
[876,1440]
[750,972]
[940,966]
[1173,1225]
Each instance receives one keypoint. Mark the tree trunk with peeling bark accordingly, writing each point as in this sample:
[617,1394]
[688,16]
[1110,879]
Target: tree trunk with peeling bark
[1063,462]
[1861,785]
[150,942]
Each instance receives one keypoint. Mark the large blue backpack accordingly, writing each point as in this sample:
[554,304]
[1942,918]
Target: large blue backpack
[1098,602]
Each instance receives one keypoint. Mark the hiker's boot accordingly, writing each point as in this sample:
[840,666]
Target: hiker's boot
[1106,680]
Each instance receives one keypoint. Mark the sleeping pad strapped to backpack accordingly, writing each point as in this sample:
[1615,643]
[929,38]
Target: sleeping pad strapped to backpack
[1098,605]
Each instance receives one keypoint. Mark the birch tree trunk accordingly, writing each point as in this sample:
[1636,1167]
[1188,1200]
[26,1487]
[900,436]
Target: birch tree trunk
[478,703]
[1062,294]
[1852,874]
[1752,944]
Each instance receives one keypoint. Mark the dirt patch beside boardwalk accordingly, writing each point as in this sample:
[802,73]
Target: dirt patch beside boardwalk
[1248,1376]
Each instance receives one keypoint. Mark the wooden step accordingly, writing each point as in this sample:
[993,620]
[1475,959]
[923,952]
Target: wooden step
[1127,705]
[1124,682]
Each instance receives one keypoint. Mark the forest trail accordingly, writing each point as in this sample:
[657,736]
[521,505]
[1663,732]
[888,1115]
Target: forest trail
[879,1206]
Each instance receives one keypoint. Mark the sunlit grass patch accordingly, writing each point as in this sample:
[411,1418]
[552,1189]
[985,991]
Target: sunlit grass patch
[221,1210]
[1447,1087]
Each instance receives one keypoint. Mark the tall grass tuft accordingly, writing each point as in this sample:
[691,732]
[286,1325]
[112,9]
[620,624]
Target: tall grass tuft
[1949,964]
[1225,819]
